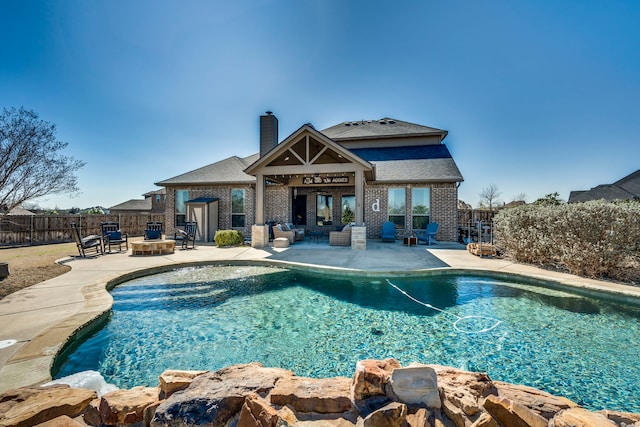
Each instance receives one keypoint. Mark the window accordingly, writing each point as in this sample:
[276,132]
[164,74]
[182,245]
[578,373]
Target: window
[396,206]
[181,209]
[348,209]
[324,209]
[158,198]
[238,213]
[420,208]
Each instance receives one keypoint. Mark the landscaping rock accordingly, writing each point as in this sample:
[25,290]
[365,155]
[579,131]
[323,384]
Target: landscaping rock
[420,418]
[415,385]
[391,415]
[513,414]
[174,380]
[91,415]
[257,412]
[327,395]
[465,390]
[371,377]
[621,418]
[485,420]
[580,417]
[217,397]
[61,421]
[540,402]
[29,406]
[127,406]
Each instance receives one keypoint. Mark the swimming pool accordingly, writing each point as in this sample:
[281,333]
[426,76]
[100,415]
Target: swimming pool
[321,325]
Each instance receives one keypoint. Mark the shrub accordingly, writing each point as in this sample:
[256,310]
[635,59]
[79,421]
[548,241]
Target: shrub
[596,239]
[228,238]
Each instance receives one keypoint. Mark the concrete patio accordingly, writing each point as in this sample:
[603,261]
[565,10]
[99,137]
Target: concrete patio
[43,317]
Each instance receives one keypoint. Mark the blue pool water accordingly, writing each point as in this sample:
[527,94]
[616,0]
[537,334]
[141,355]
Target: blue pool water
[320,326]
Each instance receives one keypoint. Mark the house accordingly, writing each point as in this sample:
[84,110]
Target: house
[16,211]
[627,188]
[379,170]
[153,202]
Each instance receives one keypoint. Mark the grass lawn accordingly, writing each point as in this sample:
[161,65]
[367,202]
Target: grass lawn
[33,264]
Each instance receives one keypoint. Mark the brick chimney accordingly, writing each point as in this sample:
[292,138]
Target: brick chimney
[268,132]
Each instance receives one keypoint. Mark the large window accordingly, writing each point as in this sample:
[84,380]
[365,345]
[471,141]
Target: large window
[420,208]
[238,212]
[324,209]
[396,206]
[181,209]
[348,209]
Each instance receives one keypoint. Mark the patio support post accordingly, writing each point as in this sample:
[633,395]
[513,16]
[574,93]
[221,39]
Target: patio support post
[359,181]
[259,199]
[259,231]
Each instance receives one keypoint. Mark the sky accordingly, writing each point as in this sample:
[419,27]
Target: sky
[537,96]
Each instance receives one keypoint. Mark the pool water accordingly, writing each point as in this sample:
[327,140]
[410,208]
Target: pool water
[320,326]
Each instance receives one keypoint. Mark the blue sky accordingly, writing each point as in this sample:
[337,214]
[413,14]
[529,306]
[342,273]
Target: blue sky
[537,96]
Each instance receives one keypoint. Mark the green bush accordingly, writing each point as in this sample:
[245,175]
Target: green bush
[595,239]
[228,238]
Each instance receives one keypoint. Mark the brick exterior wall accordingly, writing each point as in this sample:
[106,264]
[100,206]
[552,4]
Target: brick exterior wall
[444,209]
[223,193]
[278,206]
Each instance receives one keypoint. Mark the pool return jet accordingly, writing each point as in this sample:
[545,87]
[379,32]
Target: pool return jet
[456,325]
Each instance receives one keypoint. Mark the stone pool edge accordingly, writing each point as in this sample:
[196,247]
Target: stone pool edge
[33,363]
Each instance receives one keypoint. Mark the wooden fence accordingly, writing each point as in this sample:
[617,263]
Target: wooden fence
[20,230]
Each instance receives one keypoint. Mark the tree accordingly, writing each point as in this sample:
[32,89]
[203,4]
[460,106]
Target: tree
[490,194]
[520,198]
[552,199]
[31,162]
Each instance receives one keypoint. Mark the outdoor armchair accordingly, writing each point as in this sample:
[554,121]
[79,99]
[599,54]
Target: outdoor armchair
[187,235]
[279,231]
[388,232]
[93,242]
[153,231]
[299,232]
[340,238]
[428,236]
[112,235]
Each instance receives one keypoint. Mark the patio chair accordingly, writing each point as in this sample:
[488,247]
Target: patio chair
[112,235]
[90,242]
[340,238]
[299,232]
[279,231]
[153,231]
[388,232]
[187,235]
[428,236]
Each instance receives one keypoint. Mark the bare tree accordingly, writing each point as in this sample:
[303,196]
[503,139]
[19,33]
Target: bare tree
[31,164]
[490,194]
[520,197]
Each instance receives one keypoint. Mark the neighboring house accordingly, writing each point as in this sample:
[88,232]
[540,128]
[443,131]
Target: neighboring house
[153,202]
[381,170]
[16,211]
[628,188]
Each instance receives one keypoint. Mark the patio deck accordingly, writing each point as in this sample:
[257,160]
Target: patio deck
[41,318]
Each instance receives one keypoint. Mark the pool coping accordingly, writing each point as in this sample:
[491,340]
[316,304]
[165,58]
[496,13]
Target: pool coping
[31,360]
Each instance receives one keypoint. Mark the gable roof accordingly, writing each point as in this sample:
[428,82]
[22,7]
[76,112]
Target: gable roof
[286,148]
[227,171]
[627,188]
[426,163]
[382,128]
[133,205]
